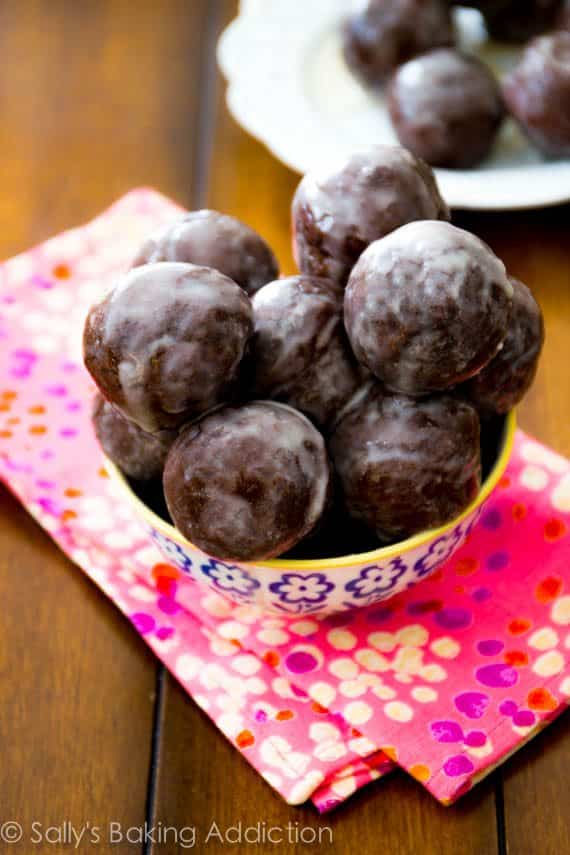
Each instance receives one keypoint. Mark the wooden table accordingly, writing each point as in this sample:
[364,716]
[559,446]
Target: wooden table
[96,97]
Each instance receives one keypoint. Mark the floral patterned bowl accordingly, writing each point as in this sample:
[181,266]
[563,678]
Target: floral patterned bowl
[298,587]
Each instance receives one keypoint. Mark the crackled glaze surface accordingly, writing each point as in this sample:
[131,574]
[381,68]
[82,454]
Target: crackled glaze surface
[538,93]
[407,466]
[210,239]
[383,35]
[446,107]
[299,347]
[427,306]
[507,377]
[248,482]
[166,342]
[340,209]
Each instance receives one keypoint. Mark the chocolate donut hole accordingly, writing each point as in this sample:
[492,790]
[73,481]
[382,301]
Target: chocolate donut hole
[537,92]
[248,483]
[299,351]
[386,34]
[166,344]
[405,465]
[210,239]
[446,108]
[339,210]
[427,307]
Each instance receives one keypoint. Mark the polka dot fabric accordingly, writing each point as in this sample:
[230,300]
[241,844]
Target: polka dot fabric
[451,677]
[445,679]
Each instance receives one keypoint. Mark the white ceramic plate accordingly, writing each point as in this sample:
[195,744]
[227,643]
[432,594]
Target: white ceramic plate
[290,88]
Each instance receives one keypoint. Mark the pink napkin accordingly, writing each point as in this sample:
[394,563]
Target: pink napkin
[445,680]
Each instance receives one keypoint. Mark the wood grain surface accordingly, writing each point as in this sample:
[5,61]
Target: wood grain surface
[96,97]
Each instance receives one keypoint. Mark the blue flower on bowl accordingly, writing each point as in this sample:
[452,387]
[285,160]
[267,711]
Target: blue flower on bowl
[376,580]
[174,553]
[229,578]
[439,551]
[302,588]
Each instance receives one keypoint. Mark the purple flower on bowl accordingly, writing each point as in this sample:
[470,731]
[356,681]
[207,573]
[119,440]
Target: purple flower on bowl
[228,577]
[302,588]
[174,553]
[375,579]
[439,551]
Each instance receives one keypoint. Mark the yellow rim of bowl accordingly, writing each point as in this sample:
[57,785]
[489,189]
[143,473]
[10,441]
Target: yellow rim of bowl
[376,555]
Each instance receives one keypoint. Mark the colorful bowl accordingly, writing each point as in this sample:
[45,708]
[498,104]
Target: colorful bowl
[321,586]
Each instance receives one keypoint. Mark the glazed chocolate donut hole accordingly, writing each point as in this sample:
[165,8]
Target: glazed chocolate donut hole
[210,239]
[166,343]
[339,211]
[300,352]
[446,108]
[138,454]
[248,483]
[405,465]
[386,34]
[506,379]
[537,93]
[427,307]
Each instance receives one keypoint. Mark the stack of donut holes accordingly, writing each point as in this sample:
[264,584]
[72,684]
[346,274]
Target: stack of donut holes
[327,412]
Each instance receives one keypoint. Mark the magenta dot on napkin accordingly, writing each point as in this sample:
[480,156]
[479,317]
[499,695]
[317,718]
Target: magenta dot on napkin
[508,708]
[524,718]
[300,662]
[475,738]
[446,731]
[142,622]
[454,618]
[491,520]
[58,390]
[482,594]
[168,605]
[497,560]
[490,647]
[68,432]
[164,632]
[472,704]
[458,765]
[497,676]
